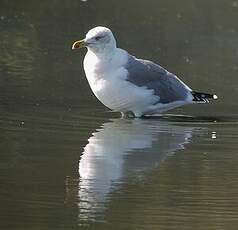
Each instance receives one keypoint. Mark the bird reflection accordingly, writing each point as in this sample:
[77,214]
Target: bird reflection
[122,148]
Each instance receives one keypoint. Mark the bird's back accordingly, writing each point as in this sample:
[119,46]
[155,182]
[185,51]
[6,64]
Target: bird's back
[165,84]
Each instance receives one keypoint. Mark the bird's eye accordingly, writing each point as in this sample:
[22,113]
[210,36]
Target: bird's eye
[98,38]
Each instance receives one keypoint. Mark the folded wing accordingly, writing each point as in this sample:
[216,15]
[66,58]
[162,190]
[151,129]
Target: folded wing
[166,85]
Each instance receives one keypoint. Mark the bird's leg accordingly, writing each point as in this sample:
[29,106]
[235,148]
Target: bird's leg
[127,115]
[123,115]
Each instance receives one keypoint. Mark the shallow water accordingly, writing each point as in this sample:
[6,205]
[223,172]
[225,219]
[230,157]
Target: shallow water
[64,170]
[67,162]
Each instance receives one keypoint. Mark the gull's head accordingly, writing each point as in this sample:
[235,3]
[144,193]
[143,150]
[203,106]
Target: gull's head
[97,39]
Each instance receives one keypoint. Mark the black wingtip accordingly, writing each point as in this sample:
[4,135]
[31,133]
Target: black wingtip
[203,97]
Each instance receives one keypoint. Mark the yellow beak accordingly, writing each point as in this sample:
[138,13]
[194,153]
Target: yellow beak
[78,44]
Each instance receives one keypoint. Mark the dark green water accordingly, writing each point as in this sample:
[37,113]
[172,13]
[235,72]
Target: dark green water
[67,162]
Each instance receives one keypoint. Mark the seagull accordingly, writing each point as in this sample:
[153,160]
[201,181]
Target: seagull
[132,86]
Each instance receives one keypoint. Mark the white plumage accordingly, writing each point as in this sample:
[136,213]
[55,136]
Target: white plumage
[129,85]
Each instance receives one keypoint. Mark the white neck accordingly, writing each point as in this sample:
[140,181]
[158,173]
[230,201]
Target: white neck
[98,63]
[103,51]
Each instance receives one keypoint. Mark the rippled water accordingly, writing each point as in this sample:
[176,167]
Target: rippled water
[67,162]
[72,170]
[159,173]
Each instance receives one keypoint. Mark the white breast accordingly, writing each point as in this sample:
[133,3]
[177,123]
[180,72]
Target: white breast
[107,79]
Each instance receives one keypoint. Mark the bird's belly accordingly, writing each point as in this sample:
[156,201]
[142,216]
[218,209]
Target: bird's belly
[121,95]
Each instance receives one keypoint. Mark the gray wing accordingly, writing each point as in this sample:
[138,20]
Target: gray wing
[165,85]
